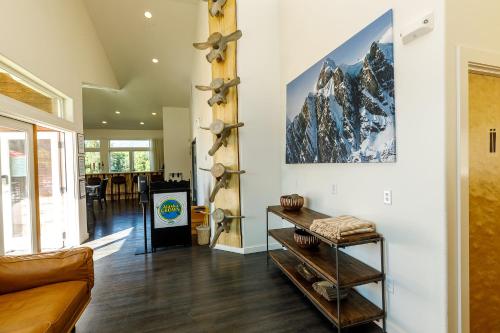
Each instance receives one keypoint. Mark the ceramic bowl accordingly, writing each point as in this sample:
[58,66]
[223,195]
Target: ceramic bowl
[305,240]
[292,202]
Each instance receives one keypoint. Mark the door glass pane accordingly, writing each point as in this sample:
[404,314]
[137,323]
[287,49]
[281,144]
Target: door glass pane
[142,161]
[16,204]
[93,162]
[119,161]
[51,189]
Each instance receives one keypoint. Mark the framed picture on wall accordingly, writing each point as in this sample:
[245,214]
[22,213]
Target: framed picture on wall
[342,109]
[82,188]
[81,166]
[81,143]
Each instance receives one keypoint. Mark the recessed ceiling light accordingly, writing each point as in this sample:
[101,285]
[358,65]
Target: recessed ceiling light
[148,14]
[104,122]
[117,112]
[154,113]
[155,60]
[142,123]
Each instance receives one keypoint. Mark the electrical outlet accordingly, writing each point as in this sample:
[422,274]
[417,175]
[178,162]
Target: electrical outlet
[389,284]
[334,189]
[388,197]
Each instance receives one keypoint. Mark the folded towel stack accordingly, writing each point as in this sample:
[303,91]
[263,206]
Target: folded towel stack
[335,228]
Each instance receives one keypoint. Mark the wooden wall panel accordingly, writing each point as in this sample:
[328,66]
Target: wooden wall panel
[229,156]
[18,91]
[484,204]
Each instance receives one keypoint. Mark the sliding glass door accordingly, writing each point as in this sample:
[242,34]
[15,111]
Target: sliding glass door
[51,188]
[17,206]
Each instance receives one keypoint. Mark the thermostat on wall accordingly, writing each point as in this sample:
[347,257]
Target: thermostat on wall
[418,29]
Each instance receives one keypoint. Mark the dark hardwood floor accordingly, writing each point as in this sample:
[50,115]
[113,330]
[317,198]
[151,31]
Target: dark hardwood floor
[186,289]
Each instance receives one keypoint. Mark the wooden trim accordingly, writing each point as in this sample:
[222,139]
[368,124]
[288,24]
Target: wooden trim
[229,156]
[37,190]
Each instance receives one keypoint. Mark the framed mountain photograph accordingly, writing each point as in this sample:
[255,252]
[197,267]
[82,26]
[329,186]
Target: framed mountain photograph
[341,110]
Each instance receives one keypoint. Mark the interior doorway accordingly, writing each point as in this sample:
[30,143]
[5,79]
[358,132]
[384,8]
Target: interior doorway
[17,198]
[484,202]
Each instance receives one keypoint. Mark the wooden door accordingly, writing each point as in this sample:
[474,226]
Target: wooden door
[484,203]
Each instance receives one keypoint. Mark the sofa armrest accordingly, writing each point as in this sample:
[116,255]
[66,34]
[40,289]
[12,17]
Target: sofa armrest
[30,271]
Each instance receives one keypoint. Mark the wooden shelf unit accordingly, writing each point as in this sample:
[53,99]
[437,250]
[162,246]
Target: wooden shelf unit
[355,310]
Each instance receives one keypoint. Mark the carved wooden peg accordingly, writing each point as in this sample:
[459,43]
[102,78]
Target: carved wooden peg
[221,174]
[222,131]
[220,89]
[223,219]
[218,44]
[217,8]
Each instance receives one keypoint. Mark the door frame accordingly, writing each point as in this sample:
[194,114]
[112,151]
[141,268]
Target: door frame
[32,178]
[483,62]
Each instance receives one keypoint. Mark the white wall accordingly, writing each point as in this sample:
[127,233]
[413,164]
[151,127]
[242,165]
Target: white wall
[177,141]
[56,41]
[259,109]
[474,25]
[201,113]
[122,134]
[414,226]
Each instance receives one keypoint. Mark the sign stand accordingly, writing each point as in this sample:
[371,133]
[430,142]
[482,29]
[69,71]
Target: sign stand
[144,199]
[170,216]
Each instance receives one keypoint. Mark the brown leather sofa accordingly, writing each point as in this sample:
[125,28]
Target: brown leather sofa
[45,293]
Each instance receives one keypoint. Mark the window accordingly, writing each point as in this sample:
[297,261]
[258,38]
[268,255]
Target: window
[17,86]
[119,161]
[93,161]
[142,161]
[92,144]
[130,155]
[129,144]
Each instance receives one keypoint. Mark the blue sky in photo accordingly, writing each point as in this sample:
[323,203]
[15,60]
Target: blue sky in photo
[351,52]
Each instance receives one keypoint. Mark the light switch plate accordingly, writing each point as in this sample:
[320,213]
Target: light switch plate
[388,197]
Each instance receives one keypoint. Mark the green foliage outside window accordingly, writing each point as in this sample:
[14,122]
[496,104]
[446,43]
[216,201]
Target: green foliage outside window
[92,162]
[142,161]
[119,161]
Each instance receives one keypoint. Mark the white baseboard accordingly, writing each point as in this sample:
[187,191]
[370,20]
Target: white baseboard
[226,248]
[248,249]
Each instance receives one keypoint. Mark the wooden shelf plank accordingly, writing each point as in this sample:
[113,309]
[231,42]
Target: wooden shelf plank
[354,310]
[352,272]
[305,217]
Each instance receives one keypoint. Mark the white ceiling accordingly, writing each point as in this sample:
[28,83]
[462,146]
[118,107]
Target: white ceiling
[131,41]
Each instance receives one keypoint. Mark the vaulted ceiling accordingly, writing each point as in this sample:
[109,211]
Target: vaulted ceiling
[131,41]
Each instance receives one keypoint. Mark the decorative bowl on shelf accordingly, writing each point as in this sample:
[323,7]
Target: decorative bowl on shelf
[292,202]
[305,240]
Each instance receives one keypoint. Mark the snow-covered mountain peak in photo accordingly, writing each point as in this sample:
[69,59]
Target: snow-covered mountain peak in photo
[350,115]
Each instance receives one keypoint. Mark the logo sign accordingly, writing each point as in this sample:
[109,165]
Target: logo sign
[170,210]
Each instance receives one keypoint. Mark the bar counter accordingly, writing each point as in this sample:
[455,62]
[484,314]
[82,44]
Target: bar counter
[130,189]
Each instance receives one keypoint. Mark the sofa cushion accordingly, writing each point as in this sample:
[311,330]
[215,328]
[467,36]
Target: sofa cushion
[30,271]
[49,309]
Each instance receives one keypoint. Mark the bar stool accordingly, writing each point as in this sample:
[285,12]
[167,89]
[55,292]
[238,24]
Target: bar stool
[135,185]
[116,182]
[157,178]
